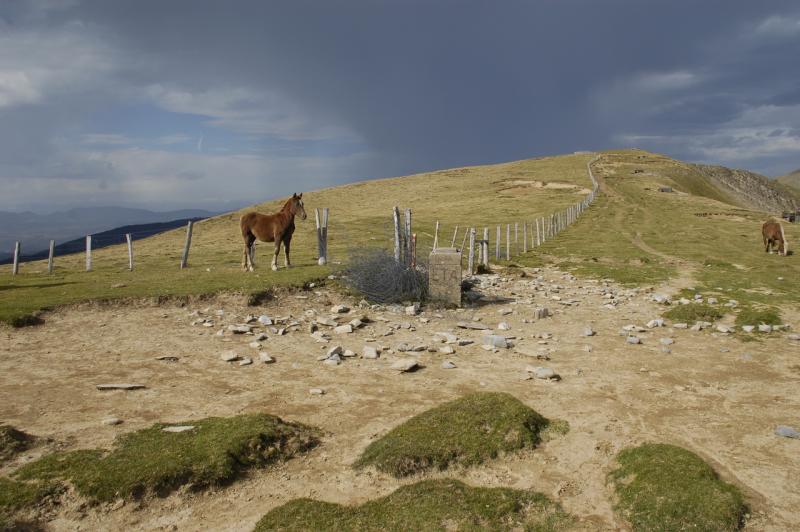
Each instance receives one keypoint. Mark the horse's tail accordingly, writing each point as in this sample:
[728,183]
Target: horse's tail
[244,224]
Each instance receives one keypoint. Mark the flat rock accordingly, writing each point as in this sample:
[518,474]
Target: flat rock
[404,364]
[448,337]
[348,353]
[110,421]
[667,341]
[316,391]
[764,328]
[448,365]
[327,322]
[167,358]
[748,328]
[334,351]
[680,326]
[239,329]
[503,326]
[542,372]
[493,340]
[122,386]
[265,358]
[793,336]
[412,310]
[655,323]
[333,361]
[588,331]
[447,350]
[255,345]
[340,309]
[264,320]
[229,356]
[724,329]
[343,329]
[356,323]
[787,432]
[474,325]
[178,428]
[370,352]
[633,340]
[246,361]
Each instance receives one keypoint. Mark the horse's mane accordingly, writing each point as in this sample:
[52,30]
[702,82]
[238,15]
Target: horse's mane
[287,205]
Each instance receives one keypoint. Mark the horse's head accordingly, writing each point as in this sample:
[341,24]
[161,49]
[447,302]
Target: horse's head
[297,205]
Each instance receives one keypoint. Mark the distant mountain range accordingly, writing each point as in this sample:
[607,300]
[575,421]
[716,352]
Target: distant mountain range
[35,231]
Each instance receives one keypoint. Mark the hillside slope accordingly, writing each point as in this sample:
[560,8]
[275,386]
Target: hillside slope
[748,189]
[791,180]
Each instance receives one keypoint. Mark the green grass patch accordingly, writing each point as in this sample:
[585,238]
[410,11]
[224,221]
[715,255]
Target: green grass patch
[466,431]
[693,312]
[215,452]
[756,317]
[13,442]
[443,504]
[662,487]
[19,496]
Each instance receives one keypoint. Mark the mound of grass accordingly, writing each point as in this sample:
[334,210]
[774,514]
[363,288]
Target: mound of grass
[662,487]
[16,496]
[466,431]
[693,312]
[443,504]
[214,452]
[752,316]
[13,441]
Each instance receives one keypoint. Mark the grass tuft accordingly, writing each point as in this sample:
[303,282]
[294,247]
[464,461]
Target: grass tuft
[693,312]
[752,316]
[215,452]
[12,442]
[443,504]
[17,496]
[466,431]
[662,487]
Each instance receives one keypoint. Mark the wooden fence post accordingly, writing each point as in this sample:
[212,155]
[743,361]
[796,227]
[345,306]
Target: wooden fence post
[508,241]
[397,238]
[185,256]
[414,250]
[322,236]
[497,245]
[485,247]
[525,237]
[471,261]
[436,235]
[88,253]
[516,238]
[455,234]
[129,240]
[408,237]
[464,242]
[15,268]
[50,253]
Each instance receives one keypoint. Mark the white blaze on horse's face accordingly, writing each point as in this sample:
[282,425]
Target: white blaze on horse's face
[301,207]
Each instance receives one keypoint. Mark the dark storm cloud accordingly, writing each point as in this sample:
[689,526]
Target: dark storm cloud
[431,84]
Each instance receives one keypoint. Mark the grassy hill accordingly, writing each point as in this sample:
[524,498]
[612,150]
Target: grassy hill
[633,234]
[791,180]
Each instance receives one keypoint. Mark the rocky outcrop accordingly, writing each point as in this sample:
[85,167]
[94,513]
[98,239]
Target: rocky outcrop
[749,189]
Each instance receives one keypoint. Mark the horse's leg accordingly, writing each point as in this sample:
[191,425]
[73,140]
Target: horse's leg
[245,256]
[275,257]
[253,253]
[286,245]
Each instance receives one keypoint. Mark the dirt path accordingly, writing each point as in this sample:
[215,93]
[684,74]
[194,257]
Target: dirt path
[712,394]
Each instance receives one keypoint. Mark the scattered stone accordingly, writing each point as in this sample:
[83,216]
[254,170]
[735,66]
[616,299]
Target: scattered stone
[505,311]
[793,336]
[316,391]
[724,329]
[724,350]
[588,331]
[370,352]
[265,358]
[712,300]
[543,373]
[447,350]
[412,310]
[120,386]
[246,361]
[667,341]
[335,360]
[680,326]
[348,353]
[255,345]
[404,364]
[633,340]
[541,312]
[474,325]
[493,340]
[503,326]
[178,428]
[343,329]
[339,309]
[239,329]
[334,351]
[465,341]
[787,432]
[764,328]
[448,337]
[356,323]
[748,328]
[110,421]
[658,322]
[229,356]
[587,348]
[264,320]
[327,322]
[448,365]
[167,358]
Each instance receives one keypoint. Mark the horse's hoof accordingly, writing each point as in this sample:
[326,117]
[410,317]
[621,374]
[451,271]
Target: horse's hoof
[274,268]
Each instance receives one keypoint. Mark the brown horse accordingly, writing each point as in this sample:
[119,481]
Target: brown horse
[276,228]
[772,231]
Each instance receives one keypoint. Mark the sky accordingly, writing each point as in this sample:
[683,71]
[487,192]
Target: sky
[207,104]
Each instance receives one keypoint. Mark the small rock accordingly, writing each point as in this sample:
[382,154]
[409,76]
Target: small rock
[369,352]
[334,351]
[542,373]
[680,326]
[167,358]
[112,421]
[265,358]
[264,320]
[503,326]
[793,336]
[343,329]
[239,329]
[348,353]
[356,323]
[178,428]
[505,311]
[787,432]
[316,391]
[246,361]
[474,325]
[327,322]
[404,364]
[255,345]
[764,328]
[633,340]
[260,337]
[724,329]
[339,309]
[448,337]
[412,310]
[447,350]
[494,340]
[667,341]
[333,361]
[748,328]
[448,365]
[655,323]
[587,331]
[119,386]
[229,356]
